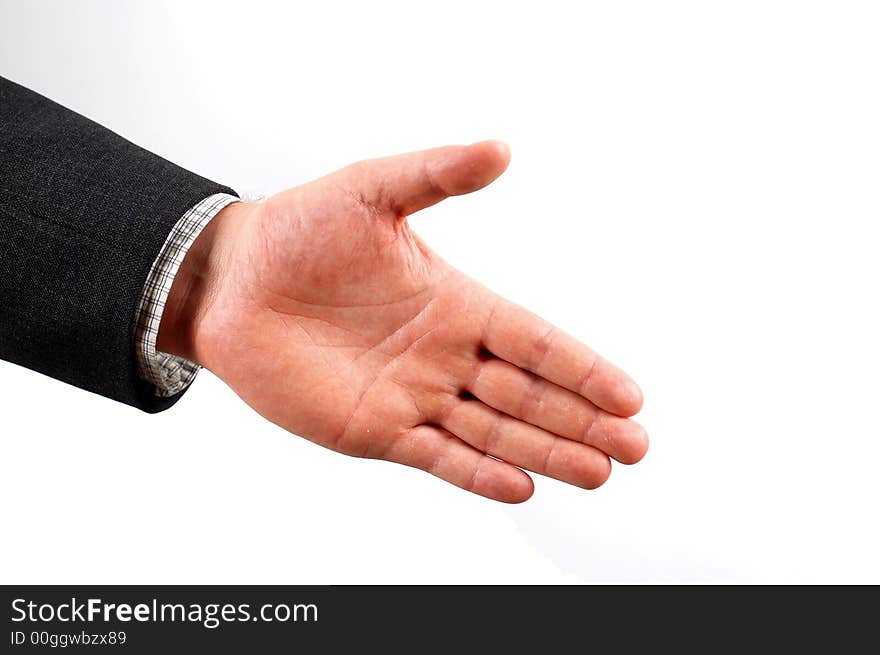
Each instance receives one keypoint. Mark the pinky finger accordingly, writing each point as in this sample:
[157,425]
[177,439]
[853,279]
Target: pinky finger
[441,453]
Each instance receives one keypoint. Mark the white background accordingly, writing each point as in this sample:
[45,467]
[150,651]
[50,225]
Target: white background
[693,192]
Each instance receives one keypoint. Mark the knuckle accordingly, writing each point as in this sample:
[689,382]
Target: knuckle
[541,348]
[494,435]
[533,398]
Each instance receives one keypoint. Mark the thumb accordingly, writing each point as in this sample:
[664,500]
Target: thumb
[404,184]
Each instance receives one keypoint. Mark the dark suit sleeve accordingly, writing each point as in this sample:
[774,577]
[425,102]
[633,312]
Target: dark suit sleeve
[83,214]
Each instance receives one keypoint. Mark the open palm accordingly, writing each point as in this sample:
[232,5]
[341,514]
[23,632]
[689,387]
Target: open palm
[329,316]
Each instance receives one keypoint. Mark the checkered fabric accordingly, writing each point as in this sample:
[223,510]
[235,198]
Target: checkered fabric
[170,374]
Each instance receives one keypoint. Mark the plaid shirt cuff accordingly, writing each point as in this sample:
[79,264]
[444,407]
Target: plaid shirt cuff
[170,374]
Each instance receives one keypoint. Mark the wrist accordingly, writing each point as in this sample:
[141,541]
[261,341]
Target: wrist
[195,286]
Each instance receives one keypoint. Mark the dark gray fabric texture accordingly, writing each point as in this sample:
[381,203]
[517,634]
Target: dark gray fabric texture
[83,214]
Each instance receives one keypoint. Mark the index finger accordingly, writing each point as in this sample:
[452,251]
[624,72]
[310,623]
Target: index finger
[528,341]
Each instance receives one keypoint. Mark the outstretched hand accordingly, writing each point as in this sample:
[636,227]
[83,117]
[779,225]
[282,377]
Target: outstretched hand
[324,311]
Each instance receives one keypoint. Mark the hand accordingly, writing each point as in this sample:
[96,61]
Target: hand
[324,311]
